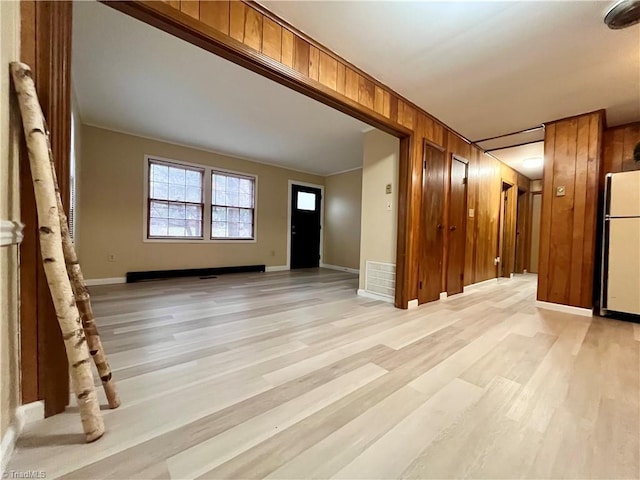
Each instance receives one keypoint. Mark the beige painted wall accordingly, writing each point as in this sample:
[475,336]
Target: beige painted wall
[379,225]
[111,215]
[9,210]
[343,202]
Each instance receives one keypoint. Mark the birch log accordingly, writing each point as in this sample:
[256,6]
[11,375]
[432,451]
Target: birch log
[52,253]
[81,294]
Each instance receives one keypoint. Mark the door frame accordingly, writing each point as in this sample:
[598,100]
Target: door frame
[289,204]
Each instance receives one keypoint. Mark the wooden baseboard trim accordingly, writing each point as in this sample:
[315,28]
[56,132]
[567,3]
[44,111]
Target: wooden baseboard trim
[339,268]
[585,312]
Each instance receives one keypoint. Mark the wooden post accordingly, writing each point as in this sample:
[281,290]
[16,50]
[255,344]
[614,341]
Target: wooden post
[52,253]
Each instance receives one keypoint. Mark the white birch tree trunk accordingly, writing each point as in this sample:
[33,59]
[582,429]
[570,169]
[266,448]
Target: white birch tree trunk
[52,253]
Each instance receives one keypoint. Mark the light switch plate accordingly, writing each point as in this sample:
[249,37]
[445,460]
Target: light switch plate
[560,191]
[472,213]
[388,189]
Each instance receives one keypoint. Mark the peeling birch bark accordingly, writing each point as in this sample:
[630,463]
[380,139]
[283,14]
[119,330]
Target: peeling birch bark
[53,256]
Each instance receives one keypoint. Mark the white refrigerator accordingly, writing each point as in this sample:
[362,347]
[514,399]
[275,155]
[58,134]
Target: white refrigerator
[621,244]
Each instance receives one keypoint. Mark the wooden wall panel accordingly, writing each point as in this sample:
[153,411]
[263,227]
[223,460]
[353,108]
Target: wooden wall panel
[328,72]
[341,73]
[287,48]
[366,92]
[191,8]
[352,84]
[216,15]
[253,29]
[301,50]
[619,143]
[314,63]
[237,15]
[568,227]
[271,38]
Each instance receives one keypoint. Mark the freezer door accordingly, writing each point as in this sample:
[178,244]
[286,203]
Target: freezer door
[623,274]
[625,194]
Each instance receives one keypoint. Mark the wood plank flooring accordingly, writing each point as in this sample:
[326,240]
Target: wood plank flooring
[290,375]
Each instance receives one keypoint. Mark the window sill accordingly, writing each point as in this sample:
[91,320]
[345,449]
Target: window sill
[195,241]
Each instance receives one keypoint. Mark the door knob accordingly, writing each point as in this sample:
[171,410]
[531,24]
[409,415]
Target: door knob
[440,226]
[452,228]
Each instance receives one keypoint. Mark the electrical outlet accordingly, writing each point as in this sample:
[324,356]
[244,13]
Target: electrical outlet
[111,257]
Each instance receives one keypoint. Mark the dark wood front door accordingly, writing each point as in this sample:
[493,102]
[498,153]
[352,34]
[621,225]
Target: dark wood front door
[305,226]
[457,232]
[432,224]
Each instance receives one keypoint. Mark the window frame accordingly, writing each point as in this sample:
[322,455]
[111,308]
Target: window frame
[227,173]
[207,204]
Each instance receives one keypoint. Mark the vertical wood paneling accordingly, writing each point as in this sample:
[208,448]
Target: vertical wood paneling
[341,78]
[271,39]
[406,114]
[287,48]
[314,63]
[579,208]
[619,143]
[191,8]
[366,92]
[352,84]
[216,15]
[237,15]
[568,228]
[328,71]
[393,108]
[378,100]
[301,55]
[174,3]
[253,29]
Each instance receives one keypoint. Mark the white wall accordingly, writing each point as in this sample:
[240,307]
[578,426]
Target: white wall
[379,224]
[9,210]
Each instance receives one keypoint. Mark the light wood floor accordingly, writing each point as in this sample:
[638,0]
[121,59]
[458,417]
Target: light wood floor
[291,375]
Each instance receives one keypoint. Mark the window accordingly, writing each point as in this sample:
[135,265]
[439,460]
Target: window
[175,202]
[195,203]
[306,201]
[232,206]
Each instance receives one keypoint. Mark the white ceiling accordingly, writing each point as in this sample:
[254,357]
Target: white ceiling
[515,156]
[485,68]
[131,77]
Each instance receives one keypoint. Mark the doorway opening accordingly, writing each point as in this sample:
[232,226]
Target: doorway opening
[506,231]
[306,213]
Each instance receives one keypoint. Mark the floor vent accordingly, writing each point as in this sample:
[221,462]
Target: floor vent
[381,278]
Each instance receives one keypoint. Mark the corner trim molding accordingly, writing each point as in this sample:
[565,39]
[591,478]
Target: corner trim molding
[412,304]
[23,415]
[276,268]
[585,312]
[11,232]
[374,296]
[342,269]
[106,281]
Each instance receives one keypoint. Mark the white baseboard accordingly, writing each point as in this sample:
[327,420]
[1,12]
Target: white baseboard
[375,296]
[480,284]
[24,414]
[106,281]
[443,295]
[412,304]
[585,312]
[276,268]
[342,269]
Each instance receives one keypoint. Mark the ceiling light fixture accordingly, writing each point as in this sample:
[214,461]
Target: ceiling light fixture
[623,14]
[532,162]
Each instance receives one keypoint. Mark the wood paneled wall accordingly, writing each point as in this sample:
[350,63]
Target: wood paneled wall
[619,143]
[249,35]
[569,222]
